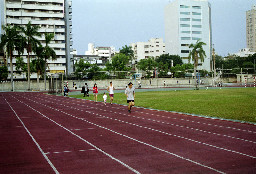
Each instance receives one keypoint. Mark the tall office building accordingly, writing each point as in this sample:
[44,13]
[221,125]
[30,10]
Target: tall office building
[187,21]
[251,29]
[53,16]
[155,47]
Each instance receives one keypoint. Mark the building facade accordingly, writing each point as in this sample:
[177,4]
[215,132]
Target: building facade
[187,21]
[245,52]
[53,16]
[155,47]
[251,29]
[105,53]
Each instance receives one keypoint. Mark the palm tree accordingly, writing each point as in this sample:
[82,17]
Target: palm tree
[39,63]
[48,53]
[11,40]
[197,53]
[30,31]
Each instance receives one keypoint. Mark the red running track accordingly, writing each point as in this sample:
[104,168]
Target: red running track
[48,134]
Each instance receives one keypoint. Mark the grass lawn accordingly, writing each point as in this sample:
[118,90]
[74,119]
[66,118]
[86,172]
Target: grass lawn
[236,103]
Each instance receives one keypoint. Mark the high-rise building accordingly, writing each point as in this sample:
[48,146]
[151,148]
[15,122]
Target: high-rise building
[187,21]
[54,16]
[155,47]
[251,29]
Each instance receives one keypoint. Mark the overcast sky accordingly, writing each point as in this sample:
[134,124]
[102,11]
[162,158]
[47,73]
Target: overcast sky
[121,22]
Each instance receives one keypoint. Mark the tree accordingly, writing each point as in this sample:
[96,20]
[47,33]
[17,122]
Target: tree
[20,65]
[119,65]
[127,50]
[11,40]
[30,31]
[3,73]
[82,68]
[168,59]
[147,65]
[48,53]
[38,64]
[197,53]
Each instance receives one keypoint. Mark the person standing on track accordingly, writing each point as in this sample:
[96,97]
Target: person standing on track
[110,89]
[130,94]
[95,92]
[105,98]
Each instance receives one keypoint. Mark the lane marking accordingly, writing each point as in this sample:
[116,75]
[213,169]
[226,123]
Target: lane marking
[204,131]
[113,158]
[38,146]
[154,147]
[156,131]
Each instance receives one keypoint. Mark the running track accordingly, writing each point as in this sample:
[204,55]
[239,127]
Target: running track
[49,134]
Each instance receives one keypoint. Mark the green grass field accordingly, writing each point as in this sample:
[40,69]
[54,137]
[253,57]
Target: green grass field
[236,104]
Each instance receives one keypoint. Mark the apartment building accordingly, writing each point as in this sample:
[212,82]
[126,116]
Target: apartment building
[54,16]
[187,21]
[251,29]
[155,47]
[105,53]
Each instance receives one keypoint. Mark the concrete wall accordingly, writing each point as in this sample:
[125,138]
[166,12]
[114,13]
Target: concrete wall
[118,83]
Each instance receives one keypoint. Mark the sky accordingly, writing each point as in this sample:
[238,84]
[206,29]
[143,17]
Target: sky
[122,22]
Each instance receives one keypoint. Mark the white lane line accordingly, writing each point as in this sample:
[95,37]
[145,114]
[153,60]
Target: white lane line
[202,165]
[206,144]
[38,146]
[113,158]
[204,131]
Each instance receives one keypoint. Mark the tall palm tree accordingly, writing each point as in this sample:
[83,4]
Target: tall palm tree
[30,32]
[48,53]
[39,63]
[11,40]
[197,53]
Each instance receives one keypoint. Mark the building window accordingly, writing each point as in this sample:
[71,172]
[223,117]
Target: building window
[185,38]
[184,25]
[157,50]
[198,20]
[184,6]
[196,32]
[184,19]
[187,32]
[197,26]
[196,13]
[196,7]
[184,51]
[185,13]
[146,46]
[196,38]
[184,45]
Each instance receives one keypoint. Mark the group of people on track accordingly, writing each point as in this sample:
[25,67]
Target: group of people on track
[129,92]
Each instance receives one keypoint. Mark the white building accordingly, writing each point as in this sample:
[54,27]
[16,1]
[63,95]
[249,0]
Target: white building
[100,51]
[54,16]
[155,47]
[251,29]
[187,21]
[245,52]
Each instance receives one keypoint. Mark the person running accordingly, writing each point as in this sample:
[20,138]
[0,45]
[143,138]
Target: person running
[95,92]
[110,89]
[105,98]
[130,94]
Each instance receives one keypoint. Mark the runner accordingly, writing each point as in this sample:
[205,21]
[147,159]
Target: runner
[95,92]
[130,94]
[110,89]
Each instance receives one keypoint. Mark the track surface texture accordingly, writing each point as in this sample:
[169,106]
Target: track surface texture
[41,133]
